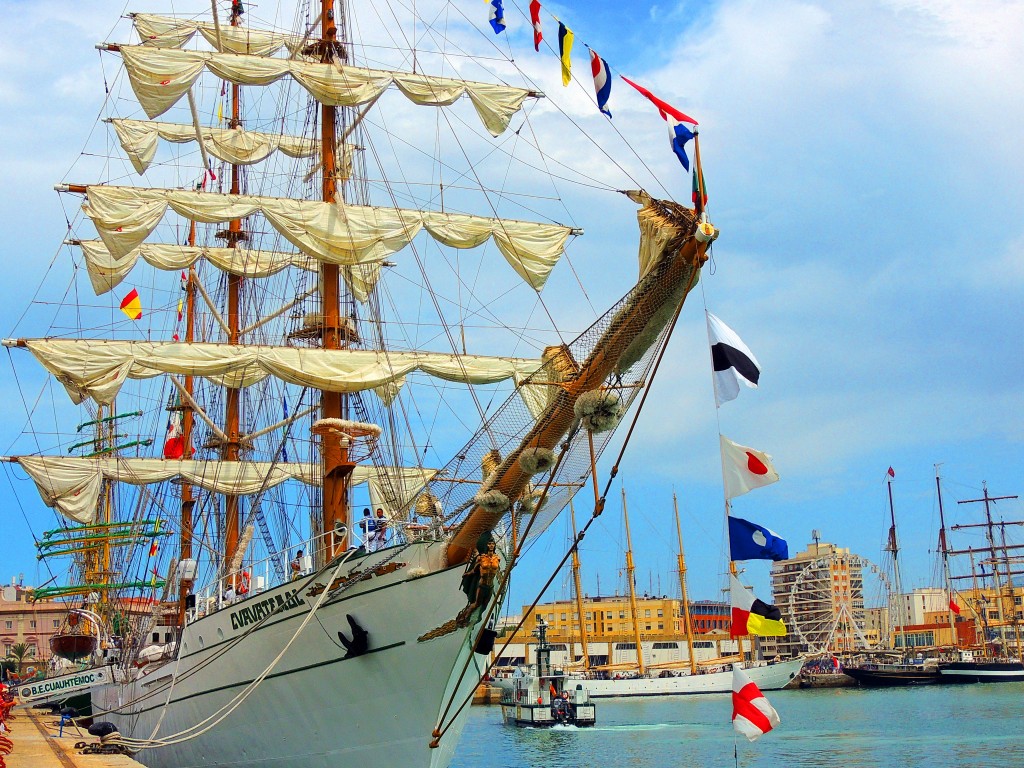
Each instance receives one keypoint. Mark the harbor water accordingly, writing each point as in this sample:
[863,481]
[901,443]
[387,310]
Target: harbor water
[964,726]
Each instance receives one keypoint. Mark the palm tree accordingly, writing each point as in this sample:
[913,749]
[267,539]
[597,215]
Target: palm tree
[19,653]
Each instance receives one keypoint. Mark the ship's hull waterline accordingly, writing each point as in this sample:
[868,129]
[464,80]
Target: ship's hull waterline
[982,672]
[769,677]
[316,709]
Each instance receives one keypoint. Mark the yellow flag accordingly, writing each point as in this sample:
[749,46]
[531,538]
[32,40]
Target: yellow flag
[564,49]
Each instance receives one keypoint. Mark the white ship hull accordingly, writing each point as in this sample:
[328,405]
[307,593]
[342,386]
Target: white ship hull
[315,709]
[770,677]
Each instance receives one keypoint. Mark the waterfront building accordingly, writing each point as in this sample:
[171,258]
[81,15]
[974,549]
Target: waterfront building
[33,623]
[820,592]
[611,636]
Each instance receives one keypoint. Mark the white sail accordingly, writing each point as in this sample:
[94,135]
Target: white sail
[98,368]
[171,32]
[139,139]
[161,76]
[73,484]
[334,233]
[106,271]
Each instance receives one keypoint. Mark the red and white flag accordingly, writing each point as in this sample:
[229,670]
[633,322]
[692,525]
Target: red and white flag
[174,444]
[538,35]
[752,715]
[745,469]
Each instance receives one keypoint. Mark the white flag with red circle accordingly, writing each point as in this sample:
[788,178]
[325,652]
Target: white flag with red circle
[745,469]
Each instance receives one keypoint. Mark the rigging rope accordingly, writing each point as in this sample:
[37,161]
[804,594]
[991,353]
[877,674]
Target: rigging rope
[598,509]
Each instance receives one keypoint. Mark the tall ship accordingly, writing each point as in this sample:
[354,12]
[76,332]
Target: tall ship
[308,276]
[984,645]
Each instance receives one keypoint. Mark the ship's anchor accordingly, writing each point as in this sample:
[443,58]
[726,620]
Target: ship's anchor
[360,642]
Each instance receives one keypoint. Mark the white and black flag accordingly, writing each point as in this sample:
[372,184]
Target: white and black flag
[732,360]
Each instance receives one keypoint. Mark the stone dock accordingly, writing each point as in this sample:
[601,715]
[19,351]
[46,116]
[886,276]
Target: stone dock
[38,745]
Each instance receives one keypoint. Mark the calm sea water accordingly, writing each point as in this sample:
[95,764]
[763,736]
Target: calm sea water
[975,726]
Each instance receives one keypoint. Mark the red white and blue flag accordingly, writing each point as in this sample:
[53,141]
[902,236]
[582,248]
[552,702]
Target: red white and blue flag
[678,132]
[602,81]
[752,715]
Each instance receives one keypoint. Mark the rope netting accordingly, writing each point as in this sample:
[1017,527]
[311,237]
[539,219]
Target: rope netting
[494,476]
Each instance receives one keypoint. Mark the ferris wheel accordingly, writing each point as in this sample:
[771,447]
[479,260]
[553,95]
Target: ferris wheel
[829,604]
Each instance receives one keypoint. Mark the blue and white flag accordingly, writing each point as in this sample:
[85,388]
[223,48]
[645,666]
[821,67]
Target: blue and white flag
[497,17]
[602,82]
[750,541]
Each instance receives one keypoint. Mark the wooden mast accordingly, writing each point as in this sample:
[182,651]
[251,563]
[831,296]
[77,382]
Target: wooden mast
[632,588]
[895,548]
[579,591]
[681,560]
[989,526]
[337,466]
[944,550]
[188,501]
[229,450]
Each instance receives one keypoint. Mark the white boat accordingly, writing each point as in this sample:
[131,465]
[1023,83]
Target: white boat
[769,676]
[282,394]
[546,699]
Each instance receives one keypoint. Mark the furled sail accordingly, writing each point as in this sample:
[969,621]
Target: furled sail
[106,271]
[98,368]
[161,76]
[334,233]
[73,484]
[139,139]
[171,32]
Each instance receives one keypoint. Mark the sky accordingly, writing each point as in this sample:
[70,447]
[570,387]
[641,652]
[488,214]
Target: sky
[864,167]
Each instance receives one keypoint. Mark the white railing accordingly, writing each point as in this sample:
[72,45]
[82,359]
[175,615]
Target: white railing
[261,575]
[253,578]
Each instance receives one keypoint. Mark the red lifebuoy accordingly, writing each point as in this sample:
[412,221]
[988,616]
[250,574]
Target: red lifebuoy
[243,583]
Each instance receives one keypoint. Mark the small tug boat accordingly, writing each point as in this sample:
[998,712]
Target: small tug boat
[541,700]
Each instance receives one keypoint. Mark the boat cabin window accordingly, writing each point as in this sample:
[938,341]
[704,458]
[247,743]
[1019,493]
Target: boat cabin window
[156,637]
[558,647]
[625,646]
[703,644]
[666,646]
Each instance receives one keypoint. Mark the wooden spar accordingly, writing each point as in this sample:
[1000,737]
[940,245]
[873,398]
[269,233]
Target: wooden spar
[337,466]
[230,449]
[631,581]
[681,262]
[584,641]
[687,623]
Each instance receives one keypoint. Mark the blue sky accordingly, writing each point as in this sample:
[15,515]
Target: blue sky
[863,162]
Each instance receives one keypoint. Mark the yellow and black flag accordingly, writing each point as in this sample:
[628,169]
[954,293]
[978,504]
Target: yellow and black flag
[565,38]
